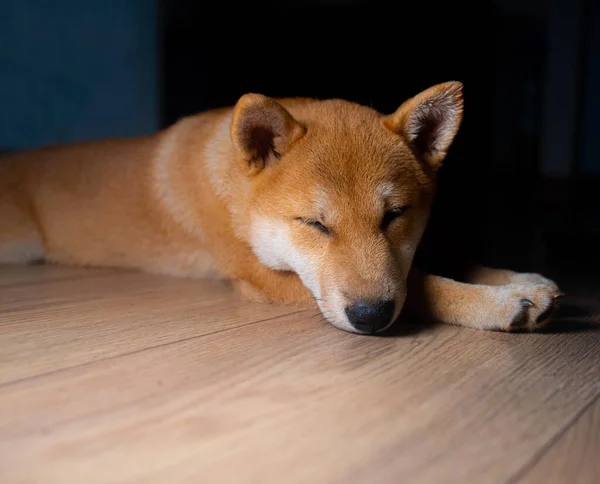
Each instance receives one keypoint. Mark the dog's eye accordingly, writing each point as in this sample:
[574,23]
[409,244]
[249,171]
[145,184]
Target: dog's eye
[314,223]
[392,215]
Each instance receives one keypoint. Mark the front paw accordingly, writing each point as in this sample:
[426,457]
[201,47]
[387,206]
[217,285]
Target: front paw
[249,292]
[528,306]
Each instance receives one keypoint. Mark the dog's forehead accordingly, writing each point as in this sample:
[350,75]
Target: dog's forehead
[336,197]
[347,138]
[370,196]
[346,157]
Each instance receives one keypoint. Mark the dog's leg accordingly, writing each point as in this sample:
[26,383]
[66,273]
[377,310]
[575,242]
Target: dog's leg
[478,274]
[511,307]
[266,285]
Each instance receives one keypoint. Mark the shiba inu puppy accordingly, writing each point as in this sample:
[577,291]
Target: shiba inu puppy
[296,201]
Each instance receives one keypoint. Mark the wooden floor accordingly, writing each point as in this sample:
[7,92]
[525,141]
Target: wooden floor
[130,378]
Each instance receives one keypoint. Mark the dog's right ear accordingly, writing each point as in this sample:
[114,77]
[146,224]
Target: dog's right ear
[262,131]
[429,121]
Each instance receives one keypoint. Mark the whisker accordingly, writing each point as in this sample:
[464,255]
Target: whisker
[326,314]
[313,299]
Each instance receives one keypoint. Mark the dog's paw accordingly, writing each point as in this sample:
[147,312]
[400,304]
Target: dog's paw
[528,306]
[249,292]
[533,278]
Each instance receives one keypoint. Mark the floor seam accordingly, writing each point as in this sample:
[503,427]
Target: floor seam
[69,278]
[140,350]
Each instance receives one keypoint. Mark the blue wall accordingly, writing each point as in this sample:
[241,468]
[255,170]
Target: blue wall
[75,70]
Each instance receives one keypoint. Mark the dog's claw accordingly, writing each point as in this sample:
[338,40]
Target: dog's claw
[520,321]
[534,315]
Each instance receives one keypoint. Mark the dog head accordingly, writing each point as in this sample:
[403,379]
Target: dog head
[340,194]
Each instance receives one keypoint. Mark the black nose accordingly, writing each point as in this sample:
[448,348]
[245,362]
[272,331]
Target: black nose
[370,317]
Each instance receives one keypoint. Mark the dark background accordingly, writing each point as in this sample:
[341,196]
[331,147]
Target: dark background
[522,178]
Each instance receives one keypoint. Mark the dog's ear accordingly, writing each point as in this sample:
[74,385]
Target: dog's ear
[429,121]
[262,130]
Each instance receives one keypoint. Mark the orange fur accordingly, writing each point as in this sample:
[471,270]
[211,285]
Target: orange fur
[237,193]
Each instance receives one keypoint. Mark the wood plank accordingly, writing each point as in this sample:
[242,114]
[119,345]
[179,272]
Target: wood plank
[94,315]
[574,457]
[81,286]
[291,400]
[15,275]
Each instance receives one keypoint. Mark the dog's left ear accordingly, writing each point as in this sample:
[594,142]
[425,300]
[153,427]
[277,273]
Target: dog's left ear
[261,131]
[429,121]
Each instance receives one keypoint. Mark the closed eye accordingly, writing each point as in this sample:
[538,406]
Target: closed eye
[314,223]
[392,215]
